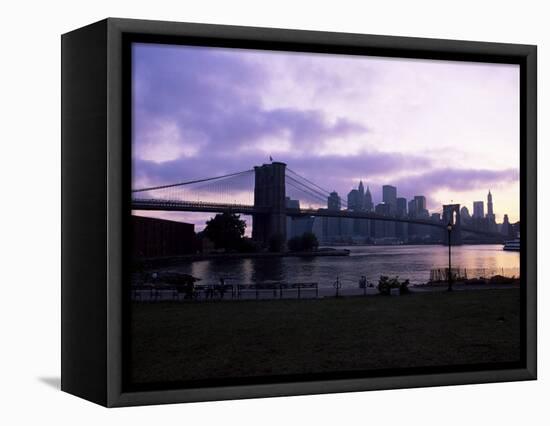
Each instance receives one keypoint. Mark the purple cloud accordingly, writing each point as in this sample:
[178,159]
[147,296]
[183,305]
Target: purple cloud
[204,107]
[215,97]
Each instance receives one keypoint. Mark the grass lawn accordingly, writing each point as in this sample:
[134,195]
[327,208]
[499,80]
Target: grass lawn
[194,341]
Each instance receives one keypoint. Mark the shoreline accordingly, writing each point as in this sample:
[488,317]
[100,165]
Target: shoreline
[164,295]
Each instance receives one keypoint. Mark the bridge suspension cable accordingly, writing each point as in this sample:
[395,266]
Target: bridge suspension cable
[310,187]
[304,188]
[153,188]
[324,191]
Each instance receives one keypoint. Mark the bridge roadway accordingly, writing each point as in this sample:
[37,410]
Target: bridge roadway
[208,207]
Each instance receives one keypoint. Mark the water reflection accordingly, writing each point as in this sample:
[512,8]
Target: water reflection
[412,262]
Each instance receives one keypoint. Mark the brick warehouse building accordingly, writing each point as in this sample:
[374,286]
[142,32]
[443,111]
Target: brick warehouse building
[158,237]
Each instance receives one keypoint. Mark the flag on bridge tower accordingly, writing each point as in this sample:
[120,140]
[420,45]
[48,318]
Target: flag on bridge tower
[270,158]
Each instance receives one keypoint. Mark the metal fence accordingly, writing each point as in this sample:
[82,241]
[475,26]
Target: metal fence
[164,292]
[460,274]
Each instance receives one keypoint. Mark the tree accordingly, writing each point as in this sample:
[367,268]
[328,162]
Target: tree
[309,241]
[295,243]
[305,242]
[226,231]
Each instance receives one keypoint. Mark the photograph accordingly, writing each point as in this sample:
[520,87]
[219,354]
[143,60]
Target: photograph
[306,216]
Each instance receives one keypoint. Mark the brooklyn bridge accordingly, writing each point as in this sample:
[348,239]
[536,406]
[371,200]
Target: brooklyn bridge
[262,193]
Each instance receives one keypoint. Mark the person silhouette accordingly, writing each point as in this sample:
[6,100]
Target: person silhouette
[221,288]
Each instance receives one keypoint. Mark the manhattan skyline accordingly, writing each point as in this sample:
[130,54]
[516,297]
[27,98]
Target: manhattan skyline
[446,130]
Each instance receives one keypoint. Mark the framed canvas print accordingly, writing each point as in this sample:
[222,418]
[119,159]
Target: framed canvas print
[253,212]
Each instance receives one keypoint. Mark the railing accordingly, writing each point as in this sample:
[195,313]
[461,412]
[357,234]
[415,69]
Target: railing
[277,290]
[462,274]
[171,293]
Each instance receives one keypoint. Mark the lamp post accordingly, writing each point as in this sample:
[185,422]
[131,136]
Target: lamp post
[449,275]
[337,286]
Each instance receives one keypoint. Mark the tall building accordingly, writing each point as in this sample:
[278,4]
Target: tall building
[412,208]
[401,207]
[389,197]
[354,200]
[361,190]
[333,201]
[506,228]
[490,204]
[478,210]
[491,220]
[420,204]
[402,229]
[368,204]
[384,228]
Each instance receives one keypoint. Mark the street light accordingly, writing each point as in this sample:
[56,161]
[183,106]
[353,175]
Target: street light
[449,276]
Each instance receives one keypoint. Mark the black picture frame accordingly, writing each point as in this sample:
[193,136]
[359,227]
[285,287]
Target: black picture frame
[96,203]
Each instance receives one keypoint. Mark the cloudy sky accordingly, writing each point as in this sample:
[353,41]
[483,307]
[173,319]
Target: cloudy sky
[446,130]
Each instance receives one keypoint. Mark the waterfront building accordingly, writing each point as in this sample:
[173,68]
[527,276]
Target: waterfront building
[384,228]
[402,229]
[154,237]
[296,226]
[506,228]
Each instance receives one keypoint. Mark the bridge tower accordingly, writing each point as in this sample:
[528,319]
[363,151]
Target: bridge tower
[269,196]
[451,213]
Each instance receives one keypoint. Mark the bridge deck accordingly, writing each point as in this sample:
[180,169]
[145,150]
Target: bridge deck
[207,207]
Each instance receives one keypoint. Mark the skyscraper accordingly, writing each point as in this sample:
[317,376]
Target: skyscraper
[401,207]
[412,208]
[368,205]
[478,210]
[402,229]
[354,200]
[384,229]
[506,228]
[333,201]
[389,196]
[420,204]
[491,220]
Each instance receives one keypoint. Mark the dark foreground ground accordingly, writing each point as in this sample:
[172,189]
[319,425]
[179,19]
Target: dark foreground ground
[195,341]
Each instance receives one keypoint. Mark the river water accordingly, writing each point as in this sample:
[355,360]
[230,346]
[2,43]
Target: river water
[407,261]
